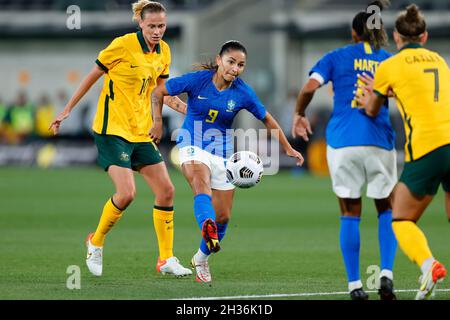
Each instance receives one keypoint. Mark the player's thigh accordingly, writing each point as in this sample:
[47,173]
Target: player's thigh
[123,179]
[346,167]
[157,177]
[223,203]
[407,205]
[195,165]
[381,172]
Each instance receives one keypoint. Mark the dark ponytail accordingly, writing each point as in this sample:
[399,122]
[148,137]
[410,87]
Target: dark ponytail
[410,24]
[377,37]
[231,45]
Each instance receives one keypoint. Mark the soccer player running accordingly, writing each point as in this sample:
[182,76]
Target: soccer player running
[215,95]
[420,80]
[132,64]
[360,149]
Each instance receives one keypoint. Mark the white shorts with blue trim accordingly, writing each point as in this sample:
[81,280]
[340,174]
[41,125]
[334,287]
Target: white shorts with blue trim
[351,168]
[215,164]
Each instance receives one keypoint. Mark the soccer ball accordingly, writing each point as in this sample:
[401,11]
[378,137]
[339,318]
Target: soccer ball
[244,169]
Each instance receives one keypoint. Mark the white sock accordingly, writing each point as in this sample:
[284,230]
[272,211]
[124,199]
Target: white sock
[354,285]
[387,273]
[200,256]
[427,264]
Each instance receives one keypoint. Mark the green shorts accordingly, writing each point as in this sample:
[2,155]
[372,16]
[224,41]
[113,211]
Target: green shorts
[423,176]
[114,150]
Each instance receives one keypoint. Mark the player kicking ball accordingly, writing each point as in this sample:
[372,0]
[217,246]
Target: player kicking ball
[215,95]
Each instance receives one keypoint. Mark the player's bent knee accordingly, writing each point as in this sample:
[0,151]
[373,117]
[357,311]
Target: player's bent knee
[124,198]
[223,215]
[165,194]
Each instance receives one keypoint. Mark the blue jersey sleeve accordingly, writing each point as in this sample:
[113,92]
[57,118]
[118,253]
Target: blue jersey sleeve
[184,83]
[324,67]
[254,105]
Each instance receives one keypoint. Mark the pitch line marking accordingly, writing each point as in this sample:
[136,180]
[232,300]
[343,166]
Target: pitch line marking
[287,295]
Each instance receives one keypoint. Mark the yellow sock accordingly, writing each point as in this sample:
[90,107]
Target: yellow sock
[110,215]
[163,222]
[412,241]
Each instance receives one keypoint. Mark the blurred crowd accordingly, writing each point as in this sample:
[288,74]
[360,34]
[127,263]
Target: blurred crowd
[24,120]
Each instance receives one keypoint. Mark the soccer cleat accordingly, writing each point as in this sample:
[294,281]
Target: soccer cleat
[359,294]
[94,259]
[202,271]
[429,280]
[172,266]
[209,234]
[386,290]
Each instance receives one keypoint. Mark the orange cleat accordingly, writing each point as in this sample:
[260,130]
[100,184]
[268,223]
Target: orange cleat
[209,234]
[429,280]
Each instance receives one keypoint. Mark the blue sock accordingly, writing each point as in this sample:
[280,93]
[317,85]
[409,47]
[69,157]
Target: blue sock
[203,208]
[387,240]
[350,243]
[221,229]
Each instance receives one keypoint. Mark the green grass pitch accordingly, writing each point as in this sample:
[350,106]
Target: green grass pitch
[283,238]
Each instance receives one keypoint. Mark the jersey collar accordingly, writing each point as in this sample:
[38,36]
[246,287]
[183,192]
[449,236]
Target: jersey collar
[143,44]
[411,46]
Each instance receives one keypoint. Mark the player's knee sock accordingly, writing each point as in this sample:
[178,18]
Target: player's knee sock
[350,243]
[203,208]
[221,230]
[163,222]
[386,240]
[110,215]
[412,241]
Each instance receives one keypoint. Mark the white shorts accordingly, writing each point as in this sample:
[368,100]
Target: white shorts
[215,164]
[353,167]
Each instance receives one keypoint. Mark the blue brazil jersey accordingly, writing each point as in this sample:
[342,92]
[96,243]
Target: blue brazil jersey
[211,112]
[348,125]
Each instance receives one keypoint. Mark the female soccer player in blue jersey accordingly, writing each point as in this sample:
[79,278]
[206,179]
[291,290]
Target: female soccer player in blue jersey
[360,149]
[215,96]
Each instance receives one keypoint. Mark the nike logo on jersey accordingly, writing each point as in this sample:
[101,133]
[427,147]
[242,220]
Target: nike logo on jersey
[132,67]
[202,98]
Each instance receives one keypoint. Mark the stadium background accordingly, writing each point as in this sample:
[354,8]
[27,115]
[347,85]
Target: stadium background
[51,192]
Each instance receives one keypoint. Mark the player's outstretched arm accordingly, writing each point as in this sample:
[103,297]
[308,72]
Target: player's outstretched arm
[84,87]
[300,124]
[174,103]
[272,124]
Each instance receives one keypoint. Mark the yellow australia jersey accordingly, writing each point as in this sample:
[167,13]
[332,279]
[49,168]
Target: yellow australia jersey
[124,105]
[420,81]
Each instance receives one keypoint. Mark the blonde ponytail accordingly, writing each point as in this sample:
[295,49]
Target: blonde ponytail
[141,7]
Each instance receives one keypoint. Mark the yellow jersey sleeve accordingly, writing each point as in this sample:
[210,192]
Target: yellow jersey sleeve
[111,55]
[381,83]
